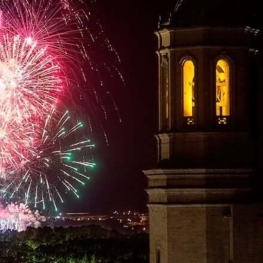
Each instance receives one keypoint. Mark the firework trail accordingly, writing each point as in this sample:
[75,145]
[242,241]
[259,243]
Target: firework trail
[46,61]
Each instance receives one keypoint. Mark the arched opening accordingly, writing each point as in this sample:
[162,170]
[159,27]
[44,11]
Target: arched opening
[222,90]
[189,90]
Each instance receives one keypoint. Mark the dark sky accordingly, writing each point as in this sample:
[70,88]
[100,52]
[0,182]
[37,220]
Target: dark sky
[118,182]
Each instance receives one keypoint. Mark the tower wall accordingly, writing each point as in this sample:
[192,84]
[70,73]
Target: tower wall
[205,141]
[206,234]
[204,204]
[203,216]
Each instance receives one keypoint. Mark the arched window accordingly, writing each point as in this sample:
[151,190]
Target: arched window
[222,91]
[189,90]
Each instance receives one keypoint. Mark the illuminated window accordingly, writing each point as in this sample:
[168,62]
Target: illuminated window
[188,88]
[165,92]
[222,90]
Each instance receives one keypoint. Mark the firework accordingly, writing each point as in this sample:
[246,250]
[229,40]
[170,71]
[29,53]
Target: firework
[59,164]
[18,217]
[76,58]
[45,62]
[29,86]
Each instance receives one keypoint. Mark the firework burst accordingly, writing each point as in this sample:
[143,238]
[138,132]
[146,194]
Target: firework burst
[29,86]
[72,46]
[46,62]
[58,164]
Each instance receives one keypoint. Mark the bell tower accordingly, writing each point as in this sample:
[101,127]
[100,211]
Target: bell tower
[202,200]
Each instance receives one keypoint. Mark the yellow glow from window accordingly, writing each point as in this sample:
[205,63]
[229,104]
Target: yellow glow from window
[188,82]
[222,88]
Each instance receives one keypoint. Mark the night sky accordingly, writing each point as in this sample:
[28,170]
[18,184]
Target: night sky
[118,182]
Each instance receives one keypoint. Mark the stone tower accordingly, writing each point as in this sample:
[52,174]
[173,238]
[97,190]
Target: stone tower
[204,195]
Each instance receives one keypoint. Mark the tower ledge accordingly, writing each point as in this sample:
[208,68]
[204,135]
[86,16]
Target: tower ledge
[199,186]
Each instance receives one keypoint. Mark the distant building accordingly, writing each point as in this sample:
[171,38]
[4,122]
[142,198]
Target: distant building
[205,194]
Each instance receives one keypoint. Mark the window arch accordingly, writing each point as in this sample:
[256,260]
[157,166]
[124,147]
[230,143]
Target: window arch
[188,88]
[222,88]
